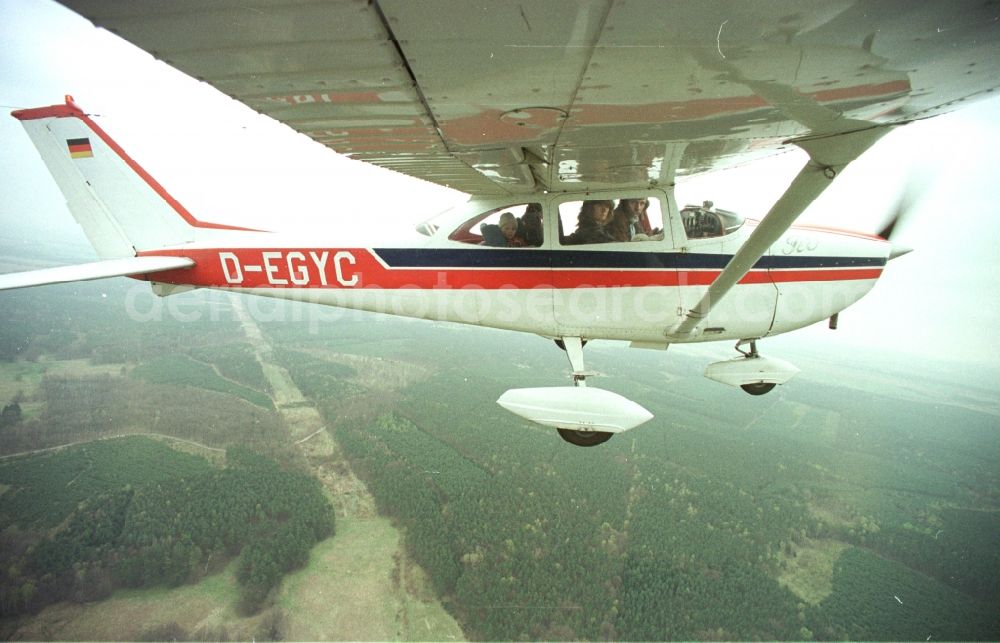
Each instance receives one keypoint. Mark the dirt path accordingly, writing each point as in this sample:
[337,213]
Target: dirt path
[349,495]
[162,436]
[346,591]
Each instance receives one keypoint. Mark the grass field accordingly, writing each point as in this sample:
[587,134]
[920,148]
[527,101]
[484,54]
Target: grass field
[19,377]
[347,592]
[24,377]
[809,574]
[129,613]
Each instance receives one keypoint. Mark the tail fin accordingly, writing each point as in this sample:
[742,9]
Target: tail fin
[121,208]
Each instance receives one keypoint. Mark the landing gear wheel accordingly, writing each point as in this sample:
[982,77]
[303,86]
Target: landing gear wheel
[759,388]
[584,438]
[561,344]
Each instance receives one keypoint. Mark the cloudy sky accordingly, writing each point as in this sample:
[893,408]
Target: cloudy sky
[227,163]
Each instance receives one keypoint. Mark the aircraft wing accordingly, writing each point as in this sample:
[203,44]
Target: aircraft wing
[508,96]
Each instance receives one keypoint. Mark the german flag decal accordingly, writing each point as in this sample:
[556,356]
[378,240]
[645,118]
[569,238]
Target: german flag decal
[79,148]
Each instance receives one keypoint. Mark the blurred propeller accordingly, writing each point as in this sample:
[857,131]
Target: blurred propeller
[907,201]
[886,232]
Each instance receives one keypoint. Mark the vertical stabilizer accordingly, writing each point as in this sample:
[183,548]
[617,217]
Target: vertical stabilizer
[120,207]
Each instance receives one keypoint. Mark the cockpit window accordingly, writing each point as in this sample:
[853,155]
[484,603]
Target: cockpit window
[512,226]
[705,221]
[610,220]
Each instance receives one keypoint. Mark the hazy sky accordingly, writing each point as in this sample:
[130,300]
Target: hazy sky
[228,164]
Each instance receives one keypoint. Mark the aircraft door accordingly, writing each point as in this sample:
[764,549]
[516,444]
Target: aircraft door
[710,236]
[612,267]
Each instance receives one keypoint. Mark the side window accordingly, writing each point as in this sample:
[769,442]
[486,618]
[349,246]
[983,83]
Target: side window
[512,226]
[610,220]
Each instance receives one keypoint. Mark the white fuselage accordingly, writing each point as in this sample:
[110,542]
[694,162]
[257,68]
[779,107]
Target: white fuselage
[635,291]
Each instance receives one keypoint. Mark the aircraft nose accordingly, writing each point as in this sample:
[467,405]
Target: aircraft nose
[898,250]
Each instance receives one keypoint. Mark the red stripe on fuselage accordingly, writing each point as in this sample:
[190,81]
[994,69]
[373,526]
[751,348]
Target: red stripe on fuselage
[830,274]
[360,268]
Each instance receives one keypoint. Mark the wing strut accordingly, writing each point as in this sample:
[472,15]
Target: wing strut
[828,156]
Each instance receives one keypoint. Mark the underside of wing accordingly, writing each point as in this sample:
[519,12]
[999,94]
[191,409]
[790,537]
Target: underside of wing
[508,96]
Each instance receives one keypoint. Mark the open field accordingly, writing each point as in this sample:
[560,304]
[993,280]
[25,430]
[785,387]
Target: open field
[24,377]
[809,573]
[351,591]
[128,614]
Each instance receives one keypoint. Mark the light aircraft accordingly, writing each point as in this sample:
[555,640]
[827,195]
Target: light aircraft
[555,117]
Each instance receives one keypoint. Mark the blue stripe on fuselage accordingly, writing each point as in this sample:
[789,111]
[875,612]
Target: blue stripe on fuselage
[514,258]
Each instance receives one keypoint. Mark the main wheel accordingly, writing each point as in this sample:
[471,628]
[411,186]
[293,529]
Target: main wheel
[584,438]
[759,388]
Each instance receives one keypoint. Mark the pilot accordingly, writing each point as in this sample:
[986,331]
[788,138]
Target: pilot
[591,222]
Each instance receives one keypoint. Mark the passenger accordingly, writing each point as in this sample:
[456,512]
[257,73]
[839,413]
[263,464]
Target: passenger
[591,222]
[493,236]
[631,223]
[638,208]
[502,234]
[530,228]
[626,222]
[508,227]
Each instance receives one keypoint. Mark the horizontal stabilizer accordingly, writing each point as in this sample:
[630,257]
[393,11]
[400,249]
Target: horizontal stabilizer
[97,270]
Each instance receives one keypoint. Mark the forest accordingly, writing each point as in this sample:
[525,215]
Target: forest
[80,522]
[862,504]
[707,525]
